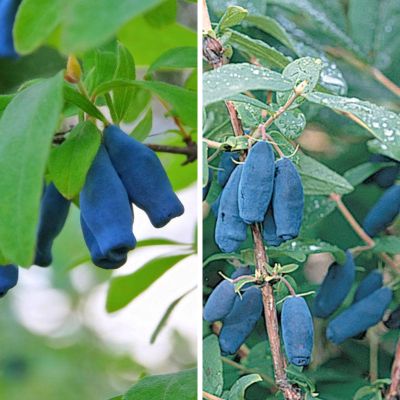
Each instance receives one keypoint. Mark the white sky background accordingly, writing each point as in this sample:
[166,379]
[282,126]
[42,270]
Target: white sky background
[129,330]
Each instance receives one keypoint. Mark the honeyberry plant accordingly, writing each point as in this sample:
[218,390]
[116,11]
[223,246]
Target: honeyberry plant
[69,85]
[301,152]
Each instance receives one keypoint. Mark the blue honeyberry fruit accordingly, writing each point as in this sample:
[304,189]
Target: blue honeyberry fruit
[106,214]
[220,302]
[387,176]
[384,212]
[8,10]
[226,166]
[240,322]
[54,210]
[334,288]
[373,281]
[143,176]
[287,200]
[256,183]
[359,316]
[269,230]
[297,330]
[230,229]
[8,278]
[393,321]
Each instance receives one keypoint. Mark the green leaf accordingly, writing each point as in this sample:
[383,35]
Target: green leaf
[315,209]
[381,123]
[142,129]
[289,268]
[104,69]
[249,115]
[180,385]
[387,244]
[125,70]
[184,102]
[238,389]
[259,359]
[205,165]
[271,27]
[291,123]
[158,39]
[318,179]
[232,79]
[139,101]
[164,320]
[265,54]
[303,69]
[253,6]
[159,242]
[5,100]
[233,15]
[74,97]
[124,289]
[177,58]
[163,14]
[69,163]
[213,379]
[32,28]
[377,147]
[361,172]
[26,131]
[363,392]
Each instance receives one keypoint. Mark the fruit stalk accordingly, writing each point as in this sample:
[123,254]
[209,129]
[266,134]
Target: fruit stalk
[394,389]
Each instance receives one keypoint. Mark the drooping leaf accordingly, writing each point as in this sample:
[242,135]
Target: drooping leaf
[142,129]
[176,58]
[26,130]
[213,380]
[239,387]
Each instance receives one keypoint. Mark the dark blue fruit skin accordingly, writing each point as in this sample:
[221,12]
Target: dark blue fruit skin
[54,210]
[8,278]
[373,281]
[207,187]
[387,176]
[8,9]
[143,176]
[334,288]
[226,167]
[220,302]
[269,230]
[256,183]
[393,322]
[359,316]
[384,212]
[297,330]
[230,229]
[240,322]
[287,200]
[106,214]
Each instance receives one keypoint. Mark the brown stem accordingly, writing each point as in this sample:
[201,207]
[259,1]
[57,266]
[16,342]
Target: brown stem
[212,143]
[190,150]
[360,231]
[236,124]
[394,390]
[271,320]
[373,71]
[210,396]
[206,18]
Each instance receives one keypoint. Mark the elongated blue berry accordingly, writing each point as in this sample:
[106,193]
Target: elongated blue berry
[143,176]
[393,321]
[269,230]
[384,212]
[373,281]
[334,288]
[226,166]
[230,230]
[287,200]
[242,319]
[8,278]
[256,183]
[106,214]
[359,316]
[53,214]
[297,330]
[387,176]
[8,9]
[220,302]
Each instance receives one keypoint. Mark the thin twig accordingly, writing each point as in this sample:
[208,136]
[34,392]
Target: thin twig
[212,143]
[288,285]
[189,151]
[394,390]
[236,124]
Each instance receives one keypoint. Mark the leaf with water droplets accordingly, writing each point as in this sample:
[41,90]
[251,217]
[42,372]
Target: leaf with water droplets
[381,123]
[361,172]
[320,180]
[291,123]
[377,147]
[232,79]
[316,208]
[303,69]
[249,115]
[213,381]
[263,52]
